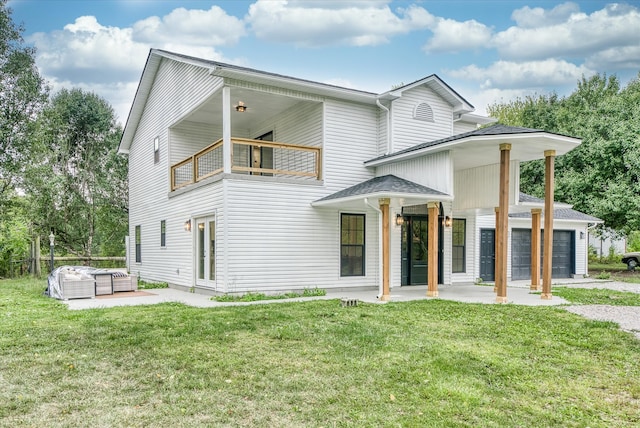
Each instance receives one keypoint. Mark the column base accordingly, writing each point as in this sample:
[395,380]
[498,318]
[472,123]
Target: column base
[546,296]
[535,287]
[432,293]
[385,298]
[501,299]
[495,288]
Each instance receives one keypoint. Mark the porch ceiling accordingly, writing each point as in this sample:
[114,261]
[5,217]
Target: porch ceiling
[482,150]
[482,146]
[261,106]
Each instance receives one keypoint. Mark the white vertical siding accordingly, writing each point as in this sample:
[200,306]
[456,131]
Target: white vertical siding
[279,241]
[350,138]
[178,88]
[190,137]
[472,254]
[433,171]
[407,131]
[479,187]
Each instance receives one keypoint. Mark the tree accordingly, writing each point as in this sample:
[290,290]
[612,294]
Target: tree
[84,201]
[602,176]
[22,95]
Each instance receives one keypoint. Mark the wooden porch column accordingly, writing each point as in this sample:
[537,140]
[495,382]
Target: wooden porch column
[433,209]
[226,130]
[503,226]
[535,248]
[496,259]
[384,207]
[547,255]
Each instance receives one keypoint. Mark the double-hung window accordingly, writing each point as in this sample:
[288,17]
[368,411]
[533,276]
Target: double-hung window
[352,244]
[459,245]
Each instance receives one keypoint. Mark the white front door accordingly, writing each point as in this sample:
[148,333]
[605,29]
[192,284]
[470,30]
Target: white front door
[205,251]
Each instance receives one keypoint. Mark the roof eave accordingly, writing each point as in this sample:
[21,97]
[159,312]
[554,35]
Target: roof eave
[449,144]
[398,195]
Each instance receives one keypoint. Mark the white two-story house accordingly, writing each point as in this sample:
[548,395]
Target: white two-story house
[244,180]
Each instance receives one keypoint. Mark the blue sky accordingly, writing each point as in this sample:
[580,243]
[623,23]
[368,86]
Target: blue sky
[488,51]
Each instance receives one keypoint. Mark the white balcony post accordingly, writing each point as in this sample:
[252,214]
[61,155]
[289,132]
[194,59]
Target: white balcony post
[226,129]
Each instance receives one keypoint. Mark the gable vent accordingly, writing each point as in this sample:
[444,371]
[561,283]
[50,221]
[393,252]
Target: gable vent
[423,112]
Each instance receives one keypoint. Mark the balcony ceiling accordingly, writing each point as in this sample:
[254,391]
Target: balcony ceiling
[261,107]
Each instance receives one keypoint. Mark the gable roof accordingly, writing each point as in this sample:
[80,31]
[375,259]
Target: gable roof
[384,186]
[223,70]
[439,86]
[563,214]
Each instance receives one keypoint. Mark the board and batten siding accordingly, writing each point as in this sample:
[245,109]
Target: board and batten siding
[480,187]
[434,171]
[178,88]
[408,131]
[472,256]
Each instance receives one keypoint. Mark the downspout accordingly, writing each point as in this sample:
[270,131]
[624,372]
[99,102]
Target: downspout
[389,148]
[380,261]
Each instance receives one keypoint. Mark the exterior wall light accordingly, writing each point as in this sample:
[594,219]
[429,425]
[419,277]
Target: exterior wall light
[241,107]
[187,225]
[447,221]
[399,220]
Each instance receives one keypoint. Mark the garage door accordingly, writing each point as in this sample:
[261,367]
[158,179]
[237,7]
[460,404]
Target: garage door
[563,254]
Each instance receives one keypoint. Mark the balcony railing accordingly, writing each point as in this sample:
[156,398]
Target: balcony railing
[255,157]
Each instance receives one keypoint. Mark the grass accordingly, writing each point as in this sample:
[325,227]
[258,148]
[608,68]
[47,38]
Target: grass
[144,285]
[597,296]
[311,364]
[253,297]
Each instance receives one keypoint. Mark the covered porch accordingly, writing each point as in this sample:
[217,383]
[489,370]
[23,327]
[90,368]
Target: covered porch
[485,174]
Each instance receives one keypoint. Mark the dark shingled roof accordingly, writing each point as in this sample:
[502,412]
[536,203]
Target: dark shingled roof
[528,198]
[384,184]
[562,214]
[497,129]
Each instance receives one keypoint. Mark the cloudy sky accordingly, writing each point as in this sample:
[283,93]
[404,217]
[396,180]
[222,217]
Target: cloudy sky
[489,51]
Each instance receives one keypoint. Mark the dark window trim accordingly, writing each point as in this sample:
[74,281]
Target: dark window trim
[463,246]
[156,149]
[362,246]
[138,241]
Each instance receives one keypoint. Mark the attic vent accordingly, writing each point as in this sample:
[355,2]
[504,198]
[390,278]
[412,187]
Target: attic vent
[423,112]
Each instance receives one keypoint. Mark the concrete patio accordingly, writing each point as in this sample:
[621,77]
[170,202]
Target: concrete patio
[518,293]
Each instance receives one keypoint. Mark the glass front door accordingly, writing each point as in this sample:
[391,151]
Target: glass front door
[205,251]
[414,250]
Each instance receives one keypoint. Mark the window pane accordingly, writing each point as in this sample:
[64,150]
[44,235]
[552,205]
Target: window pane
[458,249]
[352,239]
[163,233]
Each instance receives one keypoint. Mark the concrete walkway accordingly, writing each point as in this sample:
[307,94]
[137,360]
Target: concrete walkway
[517,293]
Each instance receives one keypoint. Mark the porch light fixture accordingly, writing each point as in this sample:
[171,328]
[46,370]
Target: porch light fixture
[241,107]
[399,220]
[447,221]
[187,225]
[581,235]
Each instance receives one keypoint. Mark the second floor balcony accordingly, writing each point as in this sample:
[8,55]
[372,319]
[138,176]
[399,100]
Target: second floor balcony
[252,157]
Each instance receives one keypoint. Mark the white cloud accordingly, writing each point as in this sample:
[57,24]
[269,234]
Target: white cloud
[211,27]
[527,17]
[577,36]
[309,24]
[455,36]
[531,75]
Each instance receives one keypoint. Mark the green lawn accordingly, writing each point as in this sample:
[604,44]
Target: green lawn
[416,364]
